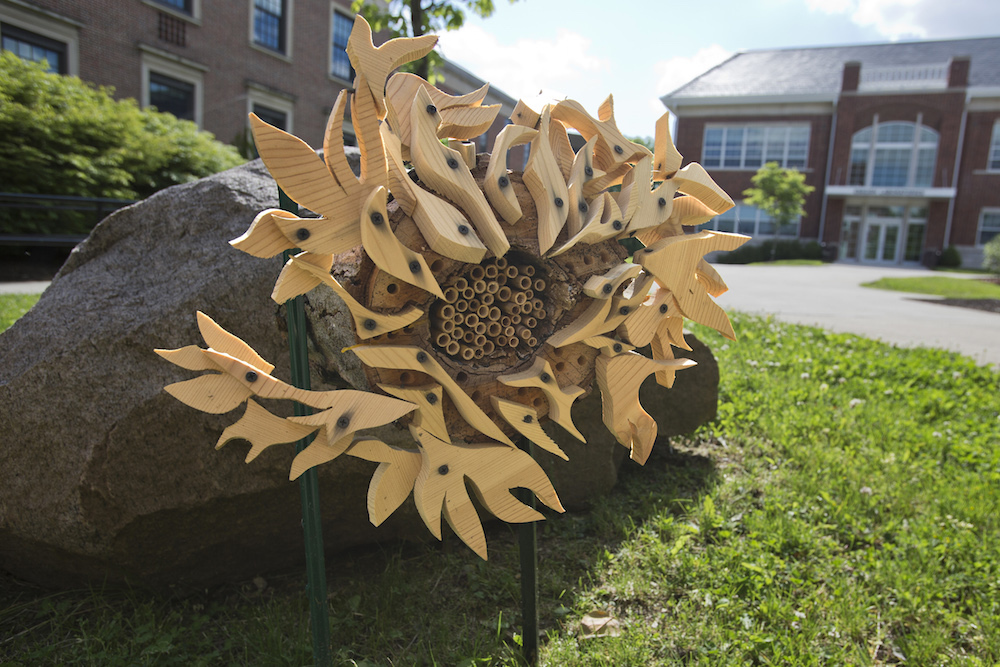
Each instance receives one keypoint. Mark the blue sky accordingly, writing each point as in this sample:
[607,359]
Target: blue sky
[638,50]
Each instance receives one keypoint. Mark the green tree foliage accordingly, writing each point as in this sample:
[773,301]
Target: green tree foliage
[991,255]
[412,18]
[778,192]
[62,136]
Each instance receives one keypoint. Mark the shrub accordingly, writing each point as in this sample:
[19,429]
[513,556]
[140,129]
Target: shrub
[768,251]
[991,255]
[62,136]
[950,258]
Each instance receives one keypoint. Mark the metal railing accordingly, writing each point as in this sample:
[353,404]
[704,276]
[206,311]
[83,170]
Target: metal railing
[61,218]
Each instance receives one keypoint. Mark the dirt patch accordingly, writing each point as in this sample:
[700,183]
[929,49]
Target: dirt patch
[989,305]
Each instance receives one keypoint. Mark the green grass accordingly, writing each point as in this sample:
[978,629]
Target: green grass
[952,288]
[13,306]
[790,262]
[842,510]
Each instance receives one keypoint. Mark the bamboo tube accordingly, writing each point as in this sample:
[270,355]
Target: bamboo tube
[442,340]
[515,319]
[520,299]
[486,299]
[501,263]
[493,329]
[468,353]
[461,284]
[492,287]
[459,318]
[474,305]
[458,333]
[529,294]
[494,313]
[483,311]
[524,333]
[450,294]
[480,340]
[539,285]
[512,272]
[528,270]
[530,322]
[509,331]
[505,321]
[471,320]
[489,347]
[504,294]
[523,282]
[480,328]
[469,337]
[502,341]
[469,293]
[447,311]
[491,271]
[513,341]
[532,342]
[479,353]
[448,326]
[510,308]
[479,286]
[461,306]
[477,273]
[502,279]
[536,304]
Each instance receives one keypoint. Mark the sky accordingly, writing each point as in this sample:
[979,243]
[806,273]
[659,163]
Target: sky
[639,50]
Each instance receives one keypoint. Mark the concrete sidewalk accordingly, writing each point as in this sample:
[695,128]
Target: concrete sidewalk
[831,297]
[26,287]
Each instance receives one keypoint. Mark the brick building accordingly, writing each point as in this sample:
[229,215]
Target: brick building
[901,142]
[209,61]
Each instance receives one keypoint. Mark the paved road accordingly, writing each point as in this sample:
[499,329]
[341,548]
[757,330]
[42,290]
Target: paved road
[831,297]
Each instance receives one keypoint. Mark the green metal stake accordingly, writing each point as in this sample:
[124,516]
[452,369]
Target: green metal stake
[527,537]
[312,526]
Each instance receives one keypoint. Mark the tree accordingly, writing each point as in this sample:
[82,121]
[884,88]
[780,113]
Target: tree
[991,255]
[413,18]
[62,136]
[778,192]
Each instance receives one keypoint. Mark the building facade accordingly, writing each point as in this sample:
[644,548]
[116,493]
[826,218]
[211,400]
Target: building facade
[901,142]
[212,62]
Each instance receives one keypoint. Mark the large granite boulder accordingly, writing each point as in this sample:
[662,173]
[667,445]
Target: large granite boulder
[105,477]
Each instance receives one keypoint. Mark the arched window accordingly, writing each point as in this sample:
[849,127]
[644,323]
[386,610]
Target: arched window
[897,154]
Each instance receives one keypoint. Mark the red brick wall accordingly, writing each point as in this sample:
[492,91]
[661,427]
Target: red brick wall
[690,134]
[977,188]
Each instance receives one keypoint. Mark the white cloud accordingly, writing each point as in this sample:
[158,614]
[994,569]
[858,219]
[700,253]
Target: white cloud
[673,73]
[525,68]
[895,19]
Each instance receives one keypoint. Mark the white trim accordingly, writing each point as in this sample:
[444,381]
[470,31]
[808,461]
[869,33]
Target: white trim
[50,25]
[257,94]
[194,17]
[175,67]
[901,192]
[979,227]
[787,126]
[336,8]
[286,55]
[742,100]
[994,147]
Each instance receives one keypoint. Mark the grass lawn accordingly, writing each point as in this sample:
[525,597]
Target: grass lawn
[842,510]
[790,262]
[952,288]
[13,306]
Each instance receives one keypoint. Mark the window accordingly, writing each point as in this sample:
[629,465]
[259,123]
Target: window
[172,84]
[752,221]
[270,25]
[897,154]
[271,106]
[340,29]
[172,95]
[36,48]
[750,146]
[993,161]
[989,226]
[272,116]
[186,6]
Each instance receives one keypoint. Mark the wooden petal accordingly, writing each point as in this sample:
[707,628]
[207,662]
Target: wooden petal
[191,357]
[524,419]
[221,340]
[264,238]
[214,393]
[262,429]
[430,413]
[319,452]
[393,479]
[560,399]
[496,183]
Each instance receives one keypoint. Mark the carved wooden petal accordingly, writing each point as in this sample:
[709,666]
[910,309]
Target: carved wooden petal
[262,429]
[525,420]
[560,399]
[393,479]
[264,238]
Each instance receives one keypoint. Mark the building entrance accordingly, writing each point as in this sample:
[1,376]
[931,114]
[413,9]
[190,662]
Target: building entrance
[883,234]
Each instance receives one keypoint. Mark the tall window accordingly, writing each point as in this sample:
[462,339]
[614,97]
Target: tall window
[340,28]
[172,95]
[989,226]
[186,6]
[36,48]
[750,146]
[271,116]
[993,161]
[270,24]
[752,221]
[897,154]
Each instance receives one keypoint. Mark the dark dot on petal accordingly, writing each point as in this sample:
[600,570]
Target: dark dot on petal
[624,310]
[431,398]
[344,422]
[503,181]
[664,308]
[583,207]
[421,357]
[662,201]
[617,347]
[431,108]
[443,470]
[527,419]
[453,163]
[619,150]
[377,218]
[617,224]
[415,266]
[607,289]
[463,230]
[589,171]
[558,202]
[370,324]
[251,376]
[545,377]
[302,233]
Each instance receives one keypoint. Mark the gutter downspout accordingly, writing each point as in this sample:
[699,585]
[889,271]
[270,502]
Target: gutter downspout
[954,177]
[829,167]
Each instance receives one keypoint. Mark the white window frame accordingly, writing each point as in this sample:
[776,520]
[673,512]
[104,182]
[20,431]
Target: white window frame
[272,99]
[993,155]
[726,127]
[336,8]
[194,17]
[287,54]
[50,25]
[182,69]
[873,145]
[735,215]
[982,219]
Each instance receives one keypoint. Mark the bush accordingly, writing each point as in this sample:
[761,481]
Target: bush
[991,255]
[950,258]
[768,251]
[62,136]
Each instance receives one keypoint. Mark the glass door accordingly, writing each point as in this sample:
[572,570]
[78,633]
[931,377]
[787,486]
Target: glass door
[882,233]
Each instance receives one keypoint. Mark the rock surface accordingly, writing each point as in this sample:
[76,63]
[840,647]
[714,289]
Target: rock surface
[105,477]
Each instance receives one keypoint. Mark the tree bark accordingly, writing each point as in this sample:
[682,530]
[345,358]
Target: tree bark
[417,25]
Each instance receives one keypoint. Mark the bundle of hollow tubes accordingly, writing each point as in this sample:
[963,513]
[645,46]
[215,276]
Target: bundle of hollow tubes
[493,309]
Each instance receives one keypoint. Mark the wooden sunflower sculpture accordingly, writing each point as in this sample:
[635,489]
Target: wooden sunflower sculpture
[488,299]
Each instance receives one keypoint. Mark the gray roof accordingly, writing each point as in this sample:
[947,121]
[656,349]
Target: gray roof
[818,71]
